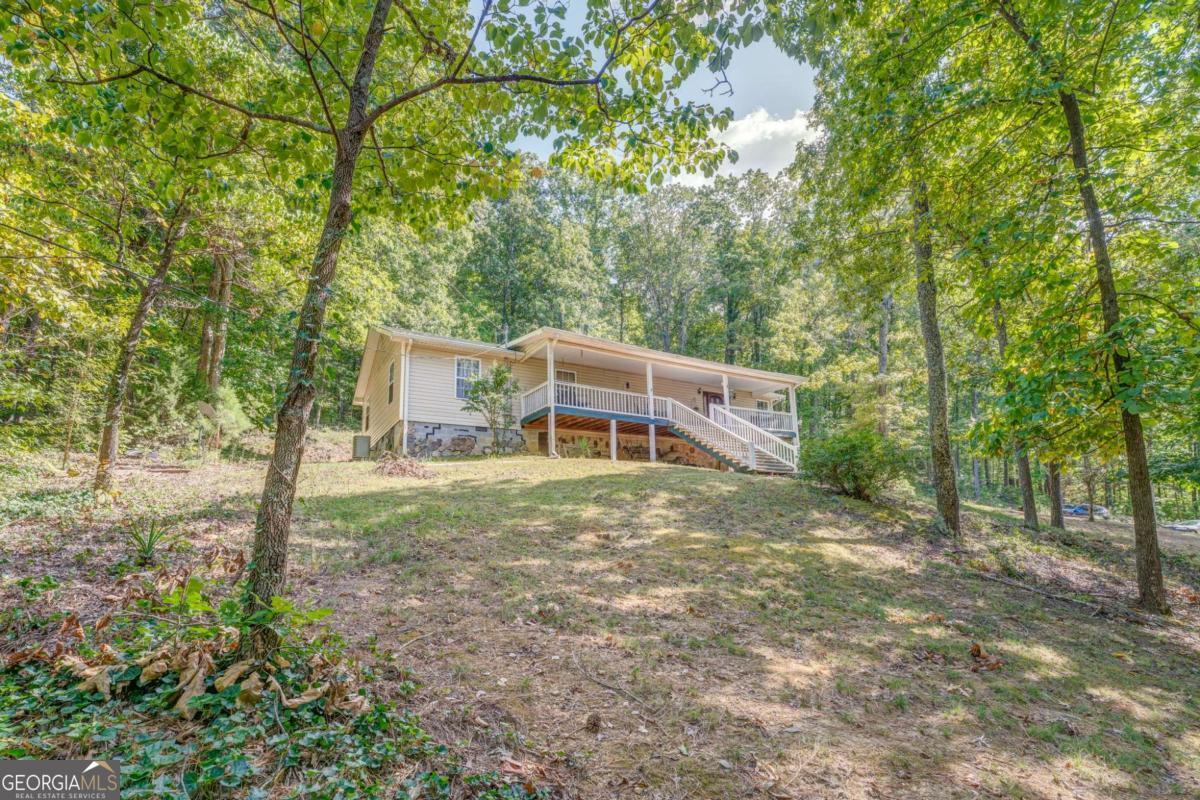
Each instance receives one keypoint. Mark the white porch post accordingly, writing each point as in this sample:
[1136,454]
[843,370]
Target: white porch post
[794,413]
[650,399]
[612,439]
[405,372]
[725,389]
[551,450]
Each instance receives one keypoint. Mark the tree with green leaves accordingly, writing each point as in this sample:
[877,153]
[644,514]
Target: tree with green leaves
[492,396]
[877,97]
[431,95]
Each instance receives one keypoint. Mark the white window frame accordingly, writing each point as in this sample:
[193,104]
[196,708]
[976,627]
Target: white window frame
[458,376]
[762,405]
[391,383]
[560,373]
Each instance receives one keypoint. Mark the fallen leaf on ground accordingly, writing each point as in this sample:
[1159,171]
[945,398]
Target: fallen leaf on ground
[231,675]
[250,691]
[191,681]
[984,661]
[71,627]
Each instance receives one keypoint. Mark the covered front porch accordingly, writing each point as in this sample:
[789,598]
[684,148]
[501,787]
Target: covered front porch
[733,413]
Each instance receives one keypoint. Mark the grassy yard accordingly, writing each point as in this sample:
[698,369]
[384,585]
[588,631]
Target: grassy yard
[648,630]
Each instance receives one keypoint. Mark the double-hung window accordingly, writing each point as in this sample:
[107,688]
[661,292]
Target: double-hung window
[762,405]
[391,382]
[466,372]
[564,375]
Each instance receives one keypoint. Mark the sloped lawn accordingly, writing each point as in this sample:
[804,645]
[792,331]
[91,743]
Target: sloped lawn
[647,630]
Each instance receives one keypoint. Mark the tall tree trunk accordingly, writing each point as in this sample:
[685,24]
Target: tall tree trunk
[1151,593]
[273,525]
[1024,473]
[268,573]
[206,319]
[220,327]
[881,390]
[1089,482]
[118,384]
[975,482]
[1054,489]
[935,365]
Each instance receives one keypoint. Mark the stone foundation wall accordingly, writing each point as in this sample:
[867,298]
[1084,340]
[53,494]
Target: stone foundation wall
[435,440]
[633,448]
[438,440]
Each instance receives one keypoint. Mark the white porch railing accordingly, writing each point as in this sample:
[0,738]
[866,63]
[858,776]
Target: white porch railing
[614,401]
[535,398]
[761,439]
[594,398]
[767,420]
[737,438]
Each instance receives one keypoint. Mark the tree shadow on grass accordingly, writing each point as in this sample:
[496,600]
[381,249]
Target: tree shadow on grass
[742,608]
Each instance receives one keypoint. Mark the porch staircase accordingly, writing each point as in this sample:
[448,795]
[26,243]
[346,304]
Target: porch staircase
[730,439]
[729,435]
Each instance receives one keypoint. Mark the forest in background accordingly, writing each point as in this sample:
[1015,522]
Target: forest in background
[985,265]
[970,260]
[742,271]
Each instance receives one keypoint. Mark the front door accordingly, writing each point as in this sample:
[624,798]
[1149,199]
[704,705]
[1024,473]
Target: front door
[712,399]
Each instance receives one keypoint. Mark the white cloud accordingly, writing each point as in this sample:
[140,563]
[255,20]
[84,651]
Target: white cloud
[762,141]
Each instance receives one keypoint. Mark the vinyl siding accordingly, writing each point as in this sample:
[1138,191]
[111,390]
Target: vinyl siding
[383,414]
[432,397]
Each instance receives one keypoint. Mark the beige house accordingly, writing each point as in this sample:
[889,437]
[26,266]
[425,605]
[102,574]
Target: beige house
[579,395]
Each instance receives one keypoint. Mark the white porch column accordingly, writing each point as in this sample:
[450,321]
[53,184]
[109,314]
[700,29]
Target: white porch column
[795,416]
[650,399]
[405,372]
[551,450]
[725,389]
[612,439]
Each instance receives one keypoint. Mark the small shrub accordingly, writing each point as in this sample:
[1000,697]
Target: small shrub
[585,447]
[145,537]
[856,461]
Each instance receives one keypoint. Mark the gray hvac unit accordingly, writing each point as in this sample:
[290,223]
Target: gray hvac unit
[362,447]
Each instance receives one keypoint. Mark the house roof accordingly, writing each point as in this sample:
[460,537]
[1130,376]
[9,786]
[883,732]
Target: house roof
[449,342]
[377,334]
[605,350]
[536,338]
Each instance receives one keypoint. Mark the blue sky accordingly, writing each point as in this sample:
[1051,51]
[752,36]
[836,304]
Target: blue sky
[771,93]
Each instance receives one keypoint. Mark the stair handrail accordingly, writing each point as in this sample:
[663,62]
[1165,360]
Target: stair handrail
[762,439]
[687,417]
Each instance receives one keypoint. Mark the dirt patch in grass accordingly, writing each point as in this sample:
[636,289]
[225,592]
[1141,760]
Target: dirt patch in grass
[647,630]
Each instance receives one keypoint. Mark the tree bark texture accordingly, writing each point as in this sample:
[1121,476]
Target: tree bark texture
[1024,473]
[206,320]
[118,384]
[935,366]
[268,570]
[1151,593]
[220,327]
[1054,489]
